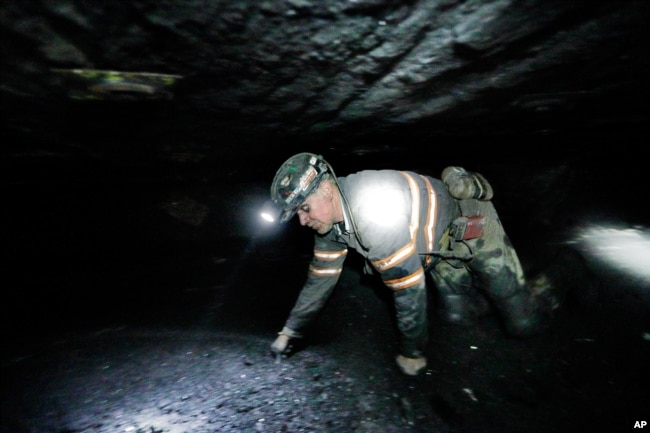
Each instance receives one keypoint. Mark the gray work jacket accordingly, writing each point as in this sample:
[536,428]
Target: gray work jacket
[393,219]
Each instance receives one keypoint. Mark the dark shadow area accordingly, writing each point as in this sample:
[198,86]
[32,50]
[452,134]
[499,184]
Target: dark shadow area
[151,306]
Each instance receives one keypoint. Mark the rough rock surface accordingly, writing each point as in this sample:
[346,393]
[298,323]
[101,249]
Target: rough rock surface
[245,74]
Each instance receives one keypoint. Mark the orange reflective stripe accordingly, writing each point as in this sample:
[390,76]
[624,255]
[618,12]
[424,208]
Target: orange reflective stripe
[394,259]
[329,256]
[415,204]
[409,249]
[430,225]
[324,272]
[405,282]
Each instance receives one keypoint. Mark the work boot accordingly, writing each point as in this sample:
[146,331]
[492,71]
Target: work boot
[546,294]
[411,366]
[464,184]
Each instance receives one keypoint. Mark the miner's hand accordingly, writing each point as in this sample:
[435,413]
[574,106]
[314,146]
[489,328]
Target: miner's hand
[281,344]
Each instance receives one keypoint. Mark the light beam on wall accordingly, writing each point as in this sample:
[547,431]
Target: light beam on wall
[626,249]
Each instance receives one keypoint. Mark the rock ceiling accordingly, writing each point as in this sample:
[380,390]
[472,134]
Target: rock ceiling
[188,80]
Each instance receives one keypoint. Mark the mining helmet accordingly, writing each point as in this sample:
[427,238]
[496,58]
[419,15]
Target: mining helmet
[296,179]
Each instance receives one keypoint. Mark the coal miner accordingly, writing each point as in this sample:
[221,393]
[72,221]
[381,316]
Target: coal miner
[412,230]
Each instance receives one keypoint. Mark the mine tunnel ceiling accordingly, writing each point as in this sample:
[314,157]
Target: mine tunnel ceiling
[187,80]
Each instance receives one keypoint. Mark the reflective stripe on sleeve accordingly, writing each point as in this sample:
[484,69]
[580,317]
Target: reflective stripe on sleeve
[392,260]
[405,282]
[329,256]
[324,272]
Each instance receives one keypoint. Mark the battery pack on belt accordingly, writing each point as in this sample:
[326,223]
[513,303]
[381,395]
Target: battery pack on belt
[467,227]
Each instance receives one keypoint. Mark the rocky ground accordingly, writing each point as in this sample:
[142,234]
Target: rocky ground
[198,360]
[109,326]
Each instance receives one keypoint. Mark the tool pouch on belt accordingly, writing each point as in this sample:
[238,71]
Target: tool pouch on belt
[466,227]
[470,224]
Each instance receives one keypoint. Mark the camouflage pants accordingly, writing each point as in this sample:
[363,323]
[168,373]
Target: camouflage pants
[491,268]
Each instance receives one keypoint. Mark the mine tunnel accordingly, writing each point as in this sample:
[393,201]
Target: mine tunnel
[143,292]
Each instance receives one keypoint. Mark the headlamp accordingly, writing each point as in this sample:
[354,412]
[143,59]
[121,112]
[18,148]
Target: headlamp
[271,211]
